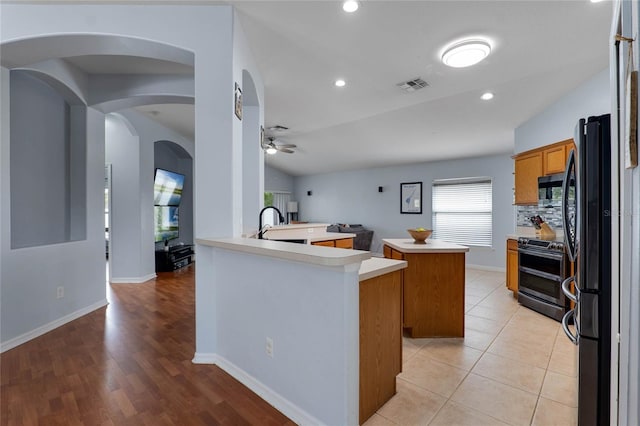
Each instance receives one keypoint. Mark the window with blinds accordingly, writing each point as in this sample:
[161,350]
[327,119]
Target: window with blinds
[462,211]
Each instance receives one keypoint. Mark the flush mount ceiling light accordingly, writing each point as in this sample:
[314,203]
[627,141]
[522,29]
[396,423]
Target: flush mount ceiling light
[466,53]
[486,96]
[340,83]
[350,6]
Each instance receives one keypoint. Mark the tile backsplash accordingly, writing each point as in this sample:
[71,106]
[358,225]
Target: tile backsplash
[550,213]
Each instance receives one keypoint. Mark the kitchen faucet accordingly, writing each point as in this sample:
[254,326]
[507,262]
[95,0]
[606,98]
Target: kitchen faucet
[280,217]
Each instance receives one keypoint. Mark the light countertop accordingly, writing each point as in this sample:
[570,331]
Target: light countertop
[310,235]
[530,232]
[316,255]
[407,245]
[299,226]
[377,266]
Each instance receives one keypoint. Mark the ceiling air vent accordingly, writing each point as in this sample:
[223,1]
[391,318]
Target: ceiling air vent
[413,85]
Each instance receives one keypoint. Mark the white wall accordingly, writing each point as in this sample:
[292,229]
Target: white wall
[122,151]
[629,238]
[30,276]
[353,197]
[277,180]
[311,314]
[558,121]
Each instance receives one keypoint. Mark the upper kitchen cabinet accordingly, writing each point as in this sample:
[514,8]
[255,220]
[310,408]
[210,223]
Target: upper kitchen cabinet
[528,167]
[555,157]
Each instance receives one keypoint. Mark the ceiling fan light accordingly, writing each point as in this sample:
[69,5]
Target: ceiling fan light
[466,53]
[340,83]
[271,150]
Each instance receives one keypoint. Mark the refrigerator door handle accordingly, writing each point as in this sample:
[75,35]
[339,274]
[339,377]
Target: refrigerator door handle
[567,291]
[565,327]
[570,239]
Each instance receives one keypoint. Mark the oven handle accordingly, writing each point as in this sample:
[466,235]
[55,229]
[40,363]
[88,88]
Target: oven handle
[565,327]
[567,291]
[539,253]
[541,274]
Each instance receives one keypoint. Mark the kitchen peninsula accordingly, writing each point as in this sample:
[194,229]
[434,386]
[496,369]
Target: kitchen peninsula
[310,233]
[331,319]
[433,286]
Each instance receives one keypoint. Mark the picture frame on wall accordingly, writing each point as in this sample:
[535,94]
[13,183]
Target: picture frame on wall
[411,198]
[238,102]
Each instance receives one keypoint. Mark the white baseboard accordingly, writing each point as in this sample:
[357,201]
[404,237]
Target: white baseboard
[135,280]
[486,268]
[204,358]
[24,338]
[286,407]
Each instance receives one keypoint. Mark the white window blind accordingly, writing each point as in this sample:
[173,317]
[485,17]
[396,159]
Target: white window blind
[462,211]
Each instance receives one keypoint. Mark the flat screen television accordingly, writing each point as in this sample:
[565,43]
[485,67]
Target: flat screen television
[167,188]
[166,223]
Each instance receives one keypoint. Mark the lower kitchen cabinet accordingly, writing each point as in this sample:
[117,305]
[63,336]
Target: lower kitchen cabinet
[346,243]
[512,266]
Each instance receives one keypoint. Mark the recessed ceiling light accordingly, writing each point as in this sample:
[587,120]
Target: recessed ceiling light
[350,6]
[340,83]
[466,53]
[486,96]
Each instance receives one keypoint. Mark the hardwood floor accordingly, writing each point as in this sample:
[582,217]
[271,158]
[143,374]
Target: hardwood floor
[127,364]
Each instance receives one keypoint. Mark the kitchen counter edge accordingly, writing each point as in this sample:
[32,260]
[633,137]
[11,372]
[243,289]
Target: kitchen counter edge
[405,245]
[315,255]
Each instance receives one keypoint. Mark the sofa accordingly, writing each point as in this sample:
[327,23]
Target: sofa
[363,238]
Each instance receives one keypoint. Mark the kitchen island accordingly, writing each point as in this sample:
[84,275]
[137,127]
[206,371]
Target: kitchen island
[433,286]
[330,318]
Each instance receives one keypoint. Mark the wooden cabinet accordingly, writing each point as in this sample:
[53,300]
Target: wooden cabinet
[390,253]
[512,266]
[433,293]
[346,243]
[530,165]
[380,340]
[328,243]
[554,160]
[527,168]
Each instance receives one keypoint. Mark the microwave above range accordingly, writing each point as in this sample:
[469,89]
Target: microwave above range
[550,190]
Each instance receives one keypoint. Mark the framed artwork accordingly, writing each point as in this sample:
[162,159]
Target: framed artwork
[238,102]
[411,198]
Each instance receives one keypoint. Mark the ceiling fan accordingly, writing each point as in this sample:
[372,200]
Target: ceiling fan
[272,147]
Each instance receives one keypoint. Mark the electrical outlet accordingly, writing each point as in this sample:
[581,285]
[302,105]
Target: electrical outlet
[60,292]
[269,347]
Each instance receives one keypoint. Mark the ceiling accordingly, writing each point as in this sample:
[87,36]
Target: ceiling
[540,51]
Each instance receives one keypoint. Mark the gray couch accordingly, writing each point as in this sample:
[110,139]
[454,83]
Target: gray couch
[363,238]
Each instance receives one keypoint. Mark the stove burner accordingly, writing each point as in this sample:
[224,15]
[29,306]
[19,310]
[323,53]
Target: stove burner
[532,243]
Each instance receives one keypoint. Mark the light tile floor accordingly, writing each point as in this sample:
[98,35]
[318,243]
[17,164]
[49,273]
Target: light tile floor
[513,367]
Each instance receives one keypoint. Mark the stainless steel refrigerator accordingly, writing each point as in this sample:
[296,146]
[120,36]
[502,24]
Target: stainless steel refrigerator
[587,233]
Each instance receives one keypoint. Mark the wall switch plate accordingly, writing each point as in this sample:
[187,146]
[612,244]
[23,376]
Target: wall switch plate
[269,347]
[60,292]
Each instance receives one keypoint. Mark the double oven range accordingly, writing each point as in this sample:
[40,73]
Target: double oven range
[543,266]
